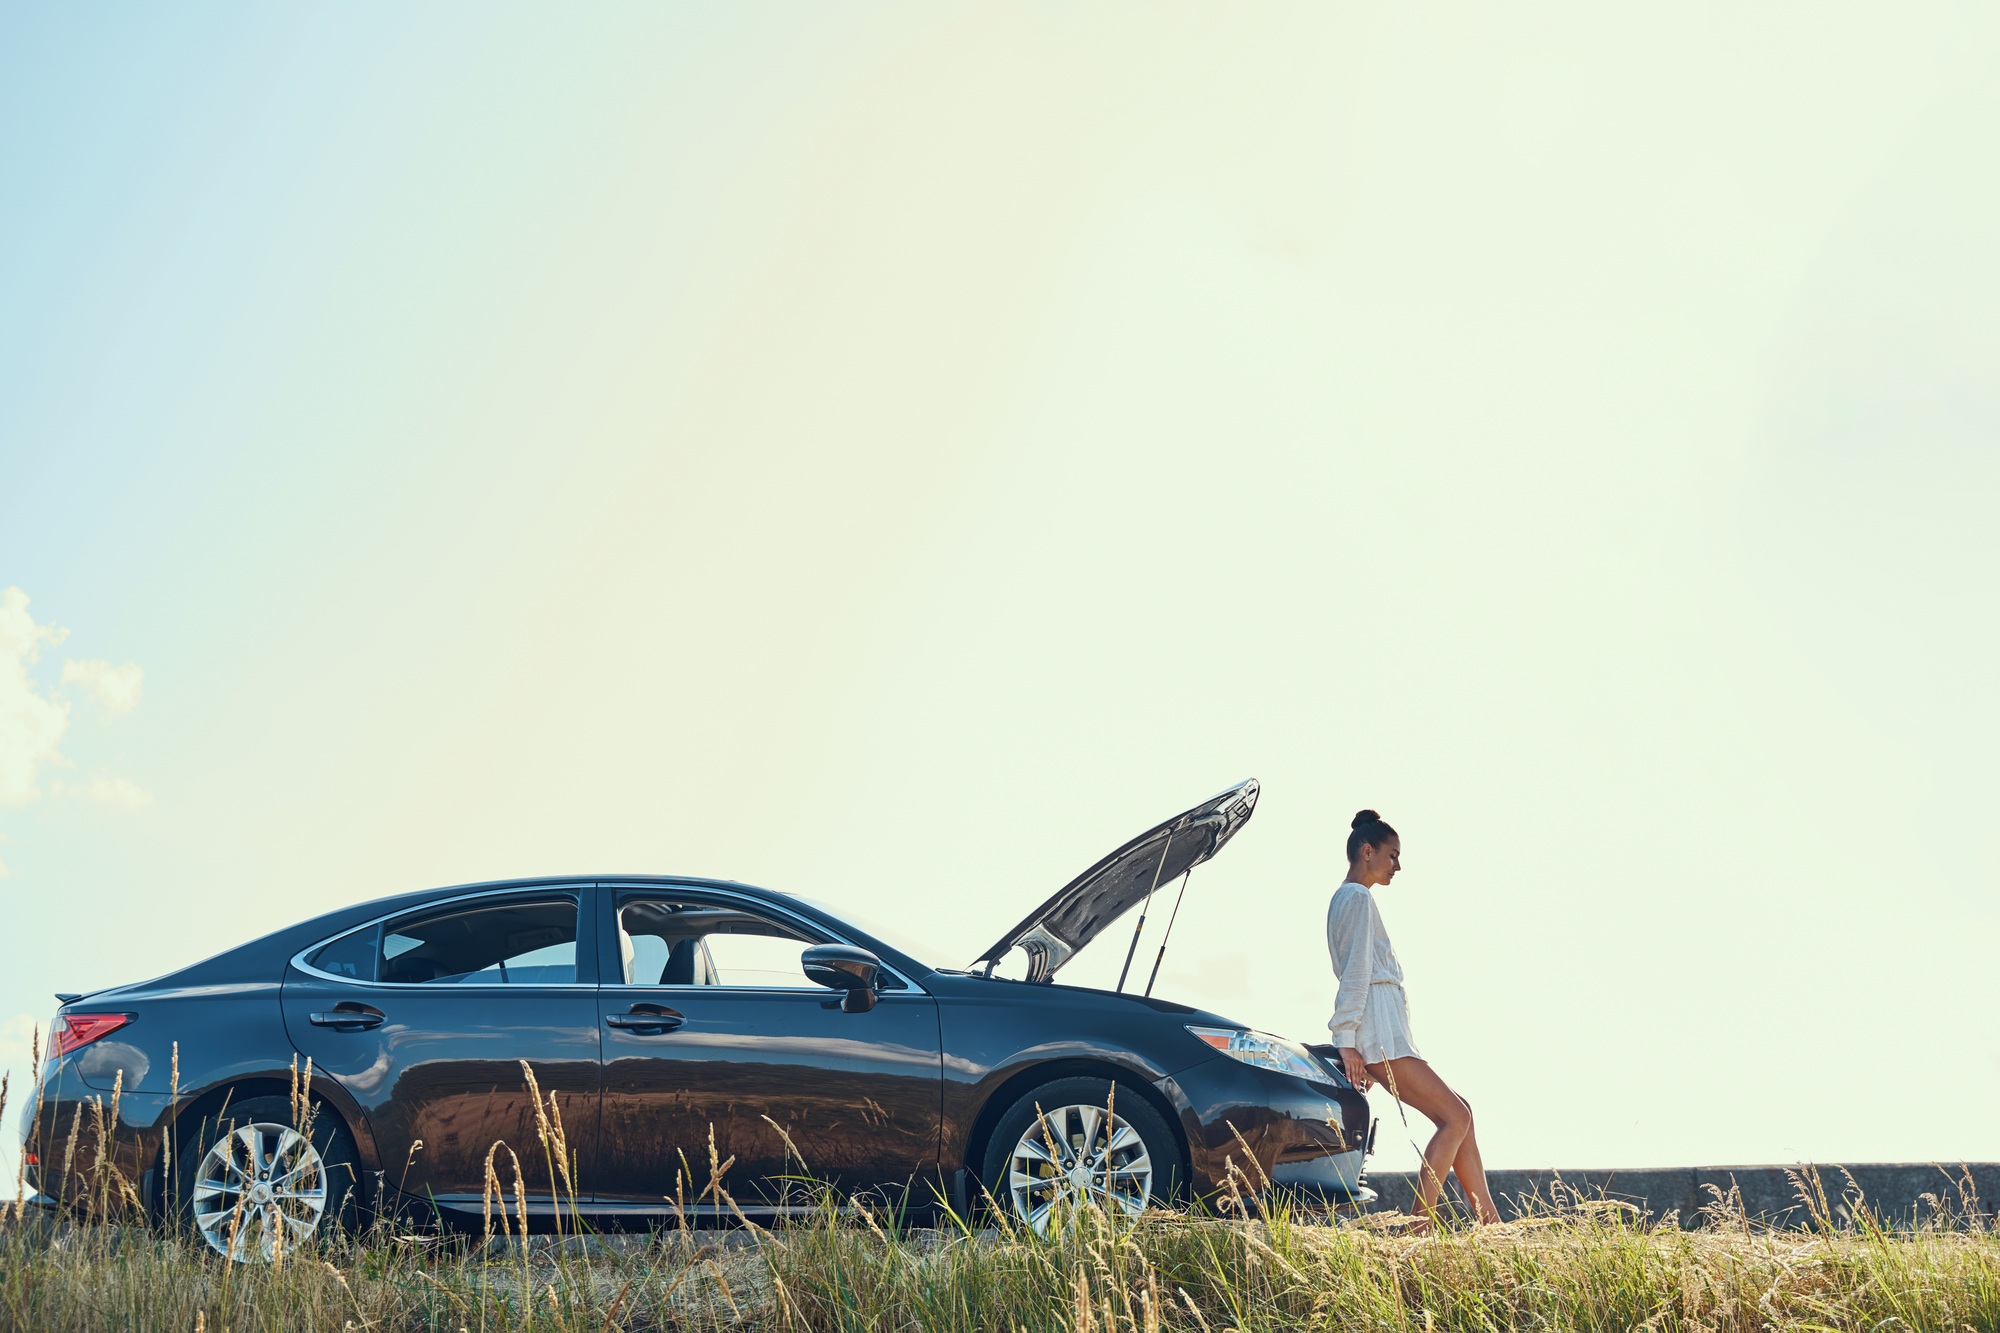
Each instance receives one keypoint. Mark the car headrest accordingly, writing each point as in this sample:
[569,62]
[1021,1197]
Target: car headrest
[684,964]
[409,969]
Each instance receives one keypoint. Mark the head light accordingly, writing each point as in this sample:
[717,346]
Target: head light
[1263,1051]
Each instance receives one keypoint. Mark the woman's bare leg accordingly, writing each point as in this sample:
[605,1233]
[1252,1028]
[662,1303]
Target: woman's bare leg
[1453,1146]
[1470,1169]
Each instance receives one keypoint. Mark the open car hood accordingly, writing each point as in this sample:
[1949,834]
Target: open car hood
[1053,932]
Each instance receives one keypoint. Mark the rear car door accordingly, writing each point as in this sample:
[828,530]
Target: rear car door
[711,1028]
[426,1018]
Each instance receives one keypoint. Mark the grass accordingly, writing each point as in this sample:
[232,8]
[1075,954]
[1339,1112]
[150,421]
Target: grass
[1574,1264]
[1581,1266]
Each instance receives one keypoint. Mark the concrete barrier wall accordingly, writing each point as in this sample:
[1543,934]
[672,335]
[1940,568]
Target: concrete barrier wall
[1899,1193]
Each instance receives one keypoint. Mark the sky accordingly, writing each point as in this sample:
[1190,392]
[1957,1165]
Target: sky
[898,452]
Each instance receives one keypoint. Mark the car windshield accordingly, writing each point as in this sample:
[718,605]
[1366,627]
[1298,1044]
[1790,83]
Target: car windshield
[921,951]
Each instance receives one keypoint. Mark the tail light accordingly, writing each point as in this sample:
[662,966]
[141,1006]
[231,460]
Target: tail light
[77,1030]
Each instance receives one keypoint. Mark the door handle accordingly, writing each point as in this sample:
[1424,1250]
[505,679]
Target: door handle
[651,1018]
[348,1017]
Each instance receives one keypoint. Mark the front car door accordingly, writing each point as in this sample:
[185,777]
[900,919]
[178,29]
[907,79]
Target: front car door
[426,1018]
[712,1029]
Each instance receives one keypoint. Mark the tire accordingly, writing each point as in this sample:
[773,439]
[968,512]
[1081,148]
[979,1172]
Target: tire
[1141,1171]
[313,1183]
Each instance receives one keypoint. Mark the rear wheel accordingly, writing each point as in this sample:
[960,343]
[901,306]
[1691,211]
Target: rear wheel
[1075,1142]
[252,1185]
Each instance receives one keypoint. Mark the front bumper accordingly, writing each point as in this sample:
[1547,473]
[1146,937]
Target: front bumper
[1333,1180]
[1253,1130]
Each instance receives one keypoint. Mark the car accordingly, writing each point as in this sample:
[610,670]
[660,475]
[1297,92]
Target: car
[657,1049]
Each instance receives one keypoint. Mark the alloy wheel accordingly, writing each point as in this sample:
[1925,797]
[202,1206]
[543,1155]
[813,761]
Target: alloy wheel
[1075,1155]
[260,1189]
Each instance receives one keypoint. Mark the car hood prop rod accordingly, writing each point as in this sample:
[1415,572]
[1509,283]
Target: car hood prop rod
[1170,930]
[1165,847]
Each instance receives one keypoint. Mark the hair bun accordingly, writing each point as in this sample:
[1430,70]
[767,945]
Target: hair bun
[1365,817]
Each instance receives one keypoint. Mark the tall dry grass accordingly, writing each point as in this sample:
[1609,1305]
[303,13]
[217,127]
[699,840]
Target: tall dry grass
[1588,1268]
[1574,1265]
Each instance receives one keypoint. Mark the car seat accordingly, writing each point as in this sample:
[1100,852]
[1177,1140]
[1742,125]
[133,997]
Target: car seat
[688,964]
[408,969]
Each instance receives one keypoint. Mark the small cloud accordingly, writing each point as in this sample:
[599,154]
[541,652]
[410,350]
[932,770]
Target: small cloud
[31,723]
[118,791]
[111,791]
[116,687]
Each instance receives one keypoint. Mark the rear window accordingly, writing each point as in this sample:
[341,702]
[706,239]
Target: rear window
[503,944]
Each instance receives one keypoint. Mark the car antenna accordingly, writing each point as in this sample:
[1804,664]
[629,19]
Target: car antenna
[1165,847]
[1170,930]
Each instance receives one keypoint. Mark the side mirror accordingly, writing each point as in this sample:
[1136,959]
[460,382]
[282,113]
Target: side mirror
[843,967]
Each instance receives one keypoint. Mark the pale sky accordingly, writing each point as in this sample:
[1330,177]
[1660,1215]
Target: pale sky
[896,453]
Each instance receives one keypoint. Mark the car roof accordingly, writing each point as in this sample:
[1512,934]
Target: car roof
[263,958]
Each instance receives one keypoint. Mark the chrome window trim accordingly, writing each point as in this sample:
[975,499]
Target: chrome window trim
[756,905]
[570,891]
[824,992]
[808,989]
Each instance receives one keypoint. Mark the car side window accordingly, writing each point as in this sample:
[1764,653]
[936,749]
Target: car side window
[515,943]
[352,955]
[666,942]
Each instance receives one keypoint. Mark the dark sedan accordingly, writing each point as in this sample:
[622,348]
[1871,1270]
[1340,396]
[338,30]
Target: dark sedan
[671,1026]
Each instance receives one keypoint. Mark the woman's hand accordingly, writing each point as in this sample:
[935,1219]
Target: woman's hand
[1356,1071]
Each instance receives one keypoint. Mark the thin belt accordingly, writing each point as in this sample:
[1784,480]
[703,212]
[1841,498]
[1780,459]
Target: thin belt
[1397,984]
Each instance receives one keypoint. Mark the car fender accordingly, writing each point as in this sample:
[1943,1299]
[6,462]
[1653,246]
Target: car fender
[974,1108]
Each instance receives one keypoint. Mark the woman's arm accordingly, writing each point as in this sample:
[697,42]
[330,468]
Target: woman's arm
[1350,940]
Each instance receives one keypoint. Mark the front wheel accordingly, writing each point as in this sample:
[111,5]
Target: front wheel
[1078,1141]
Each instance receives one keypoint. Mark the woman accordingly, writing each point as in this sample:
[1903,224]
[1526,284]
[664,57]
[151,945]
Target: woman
[1371,1020]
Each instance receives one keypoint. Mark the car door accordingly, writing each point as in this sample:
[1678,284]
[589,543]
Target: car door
[712,1029]
[426,1018]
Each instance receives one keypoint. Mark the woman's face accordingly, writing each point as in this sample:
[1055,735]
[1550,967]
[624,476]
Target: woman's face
[1380,863]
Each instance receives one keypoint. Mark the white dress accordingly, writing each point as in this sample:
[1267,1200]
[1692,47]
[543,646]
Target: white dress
[1371,1011]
